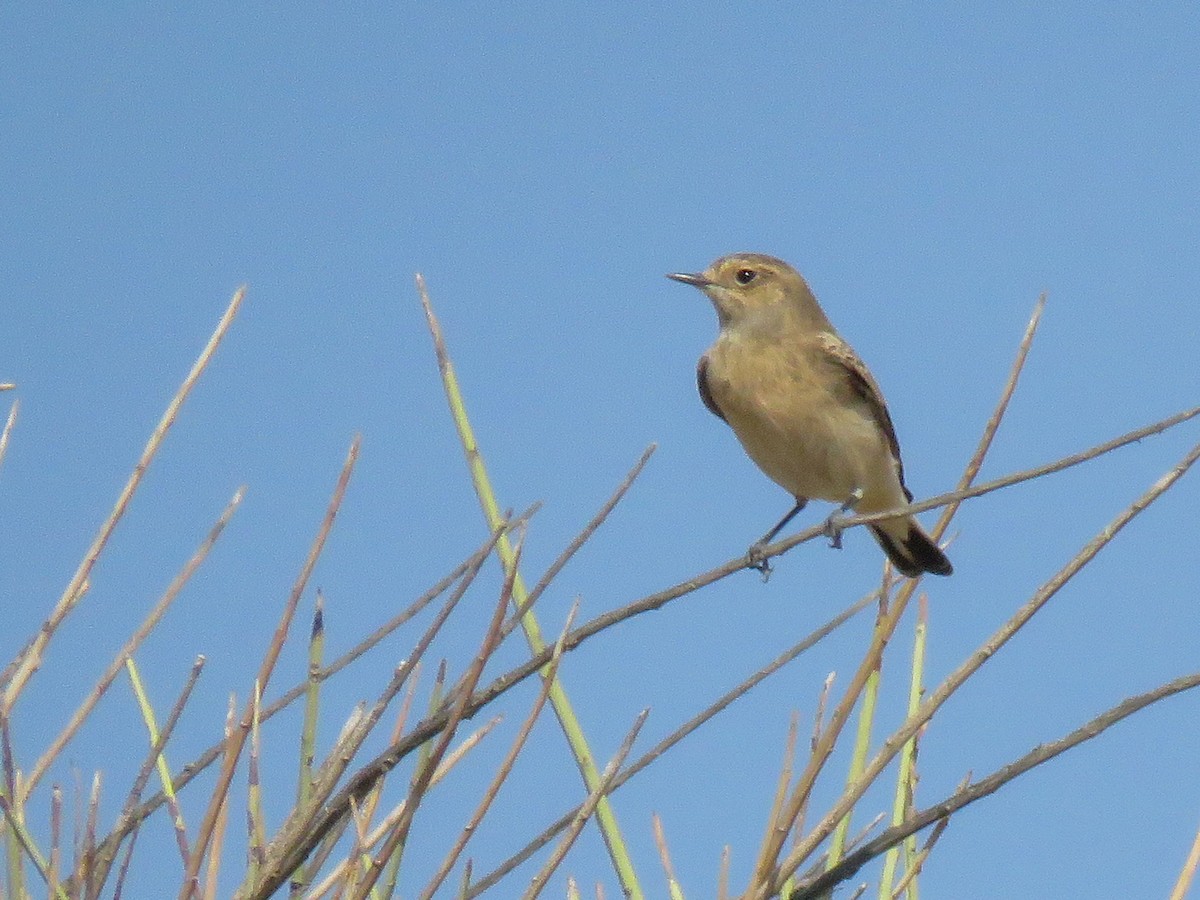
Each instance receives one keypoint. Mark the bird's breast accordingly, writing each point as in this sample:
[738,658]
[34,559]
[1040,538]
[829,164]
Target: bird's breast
[790,422]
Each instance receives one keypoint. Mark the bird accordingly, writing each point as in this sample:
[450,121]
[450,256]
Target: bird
[804,407]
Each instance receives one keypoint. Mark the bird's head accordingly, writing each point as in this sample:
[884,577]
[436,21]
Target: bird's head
[746,287]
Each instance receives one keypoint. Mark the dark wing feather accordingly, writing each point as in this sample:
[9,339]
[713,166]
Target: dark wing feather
[705,393]
[862,385]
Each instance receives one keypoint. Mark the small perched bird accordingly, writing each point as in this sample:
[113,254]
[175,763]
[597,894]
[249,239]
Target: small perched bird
[803,405]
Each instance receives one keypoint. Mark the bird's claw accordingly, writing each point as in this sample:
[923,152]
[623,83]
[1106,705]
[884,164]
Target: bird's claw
[833,529]
[756,558]
[833,525]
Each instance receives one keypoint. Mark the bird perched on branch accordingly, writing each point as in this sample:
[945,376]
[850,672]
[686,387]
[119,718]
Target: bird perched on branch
[803,405]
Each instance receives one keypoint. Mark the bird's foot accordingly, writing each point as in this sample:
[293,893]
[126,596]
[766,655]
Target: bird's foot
[833,527]
[756,558]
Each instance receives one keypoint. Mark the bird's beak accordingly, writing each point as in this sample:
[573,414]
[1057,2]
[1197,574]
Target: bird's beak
[698,281]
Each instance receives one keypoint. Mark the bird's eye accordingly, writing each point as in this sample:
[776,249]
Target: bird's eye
[745,276]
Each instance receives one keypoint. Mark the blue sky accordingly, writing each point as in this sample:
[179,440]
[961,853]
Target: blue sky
[930,169]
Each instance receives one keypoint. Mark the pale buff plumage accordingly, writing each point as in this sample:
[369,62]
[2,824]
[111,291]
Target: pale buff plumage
[801,402]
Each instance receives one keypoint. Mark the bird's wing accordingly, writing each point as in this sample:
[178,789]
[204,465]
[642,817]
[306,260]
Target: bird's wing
[861,384]
[705,392]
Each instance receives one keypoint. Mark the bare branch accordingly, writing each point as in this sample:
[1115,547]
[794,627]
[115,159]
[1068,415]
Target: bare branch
[820,884]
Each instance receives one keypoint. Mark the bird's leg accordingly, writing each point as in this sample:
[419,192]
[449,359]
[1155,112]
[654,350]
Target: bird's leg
[755,558]
[833,525]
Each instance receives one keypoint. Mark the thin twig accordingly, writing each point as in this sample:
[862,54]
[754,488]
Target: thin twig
[31,659]
[135,640]
[1184,882]
[55,839]
[918,861]
[993,422]
[25,840]
[582,538]
[784,781]
[91,887]
[213,870]
[8,427]
[106,855]
[904,798]
[664,854]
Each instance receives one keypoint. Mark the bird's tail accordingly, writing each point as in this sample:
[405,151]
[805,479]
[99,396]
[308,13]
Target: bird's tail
[910,549]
